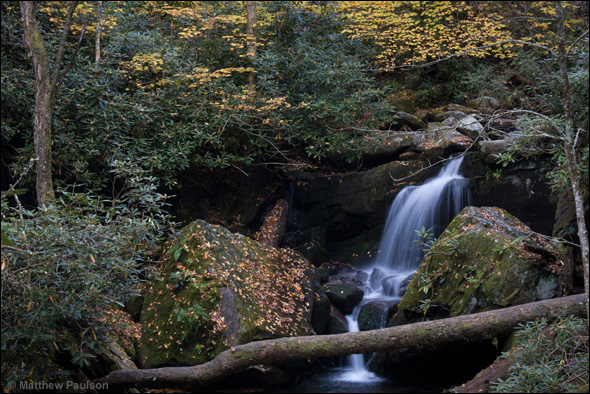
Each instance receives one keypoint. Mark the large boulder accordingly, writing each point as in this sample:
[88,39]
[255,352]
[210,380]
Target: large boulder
[219,289]
[485,259]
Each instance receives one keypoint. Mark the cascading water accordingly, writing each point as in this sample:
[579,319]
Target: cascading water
[431,205]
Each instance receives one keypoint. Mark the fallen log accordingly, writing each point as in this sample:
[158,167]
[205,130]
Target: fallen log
[460,329]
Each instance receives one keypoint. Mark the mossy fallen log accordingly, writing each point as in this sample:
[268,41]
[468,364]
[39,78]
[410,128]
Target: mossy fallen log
[465,329]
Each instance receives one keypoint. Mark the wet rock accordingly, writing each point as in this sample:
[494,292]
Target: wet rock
[403,286]
[375,314]
[312,244]
[389,283]
[520,188]
[483,261]
[350,205]
[344,296]
[338,323]
[362,276]
[376,278]
[318,301]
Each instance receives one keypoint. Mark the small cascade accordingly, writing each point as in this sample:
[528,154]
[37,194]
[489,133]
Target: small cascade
[431,205]
[355,370]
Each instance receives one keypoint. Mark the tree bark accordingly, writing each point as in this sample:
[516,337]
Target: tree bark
[251,37]
[460,329]
[44,92]
[570,150]
[42,113]
[98,26]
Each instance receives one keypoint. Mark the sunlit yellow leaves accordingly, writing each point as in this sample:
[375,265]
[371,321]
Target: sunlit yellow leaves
[415,32]
[146,62]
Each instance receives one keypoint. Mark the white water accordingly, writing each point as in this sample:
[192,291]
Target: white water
[432,205]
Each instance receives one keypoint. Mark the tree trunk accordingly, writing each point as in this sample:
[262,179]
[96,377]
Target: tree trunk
[570,149]
[463,329]
[43,94]
[98,26]
[251,37]
[45,87]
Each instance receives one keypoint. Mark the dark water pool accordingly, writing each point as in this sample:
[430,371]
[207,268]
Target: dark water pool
[336,381]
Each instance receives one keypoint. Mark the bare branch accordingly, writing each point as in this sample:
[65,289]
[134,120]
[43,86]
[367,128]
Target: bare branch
[63,76]
[575,42]
[62,45]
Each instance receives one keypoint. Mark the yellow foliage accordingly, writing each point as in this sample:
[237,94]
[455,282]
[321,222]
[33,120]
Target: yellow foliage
[410,32]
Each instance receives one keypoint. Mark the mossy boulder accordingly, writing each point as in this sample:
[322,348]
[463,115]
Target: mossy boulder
[218,289]
[485,259]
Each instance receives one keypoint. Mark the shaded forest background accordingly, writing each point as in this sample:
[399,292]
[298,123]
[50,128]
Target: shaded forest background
[149,97]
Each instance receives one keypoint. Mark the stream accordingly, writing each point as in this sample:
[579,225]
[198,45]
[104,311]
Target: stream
[431,205]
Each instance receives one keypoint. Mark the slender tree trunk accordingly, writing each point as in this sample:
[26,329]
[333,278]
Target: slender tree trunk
[251,36]
[570,149]
[98,27]
[461,329]
[43,95]
[45,86]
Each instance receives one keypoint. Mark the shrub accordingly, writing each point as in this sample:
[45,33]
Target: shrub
[64,267]
[548,358]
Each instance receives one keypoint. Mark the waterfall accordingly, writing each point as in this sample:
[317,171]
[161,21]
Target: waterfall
[431,205]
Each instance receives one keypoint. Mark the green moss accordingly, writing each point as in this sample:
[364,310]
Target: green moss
[181,318]
[478,264]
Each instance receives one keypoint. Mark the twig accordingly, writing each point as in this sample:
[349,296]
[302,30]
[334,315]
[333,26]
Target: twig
[16,249]
[25,171]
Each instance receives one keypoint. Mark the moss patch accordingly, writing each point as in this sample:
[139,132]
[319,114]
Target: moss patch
[486,259]
[182,322]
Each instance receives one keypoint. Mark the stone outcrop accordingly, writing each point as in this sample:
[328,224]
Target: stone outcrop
[486,259]
[219,289]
